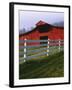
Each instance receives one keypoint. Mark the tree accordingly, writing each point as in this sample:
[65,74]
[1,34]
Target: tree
[22,31]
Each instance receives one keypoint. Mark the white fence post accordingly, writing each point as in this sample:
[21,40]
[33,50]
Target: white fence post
[25,44]
[59,45]
[48,48]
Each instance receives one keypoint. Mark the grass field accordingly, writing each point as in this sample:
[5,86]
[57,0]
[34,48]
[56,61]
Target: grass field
[51,66]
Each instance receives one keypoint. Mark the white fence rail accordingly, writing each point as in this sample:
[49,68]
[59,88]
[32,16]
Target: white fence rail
[37,50]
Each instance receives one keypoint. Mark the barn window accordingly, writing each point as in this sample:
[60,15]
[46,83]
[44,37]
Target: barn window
[43,38]
[44,28]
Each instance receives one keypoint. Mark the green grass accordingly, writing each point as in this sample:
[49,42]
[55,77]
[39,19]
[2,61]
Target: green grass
[51,66]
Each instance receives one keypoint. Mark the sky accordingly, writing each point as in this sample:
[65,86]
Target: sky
[28,19]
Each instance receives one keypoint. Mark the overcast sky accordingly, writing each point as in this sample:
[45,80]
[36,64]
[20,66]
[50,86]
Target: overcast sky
[28,19]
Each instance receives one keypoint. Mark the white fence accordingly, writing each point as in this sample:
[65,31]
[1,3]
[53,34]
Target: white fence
[35,49]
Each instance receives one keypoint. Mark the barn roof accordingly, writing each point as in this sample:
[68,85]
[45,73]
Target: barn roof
[40,24]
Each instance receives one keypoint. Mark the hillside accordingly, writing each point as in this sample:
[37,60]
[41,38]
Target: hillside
[51,66]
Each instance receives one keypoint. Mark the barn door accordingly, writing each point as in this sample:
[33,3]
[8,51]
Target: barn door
[43,38]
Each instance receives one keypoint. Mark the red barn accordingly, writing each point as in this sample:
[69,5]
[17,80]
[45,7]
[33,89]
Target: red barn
[44,31]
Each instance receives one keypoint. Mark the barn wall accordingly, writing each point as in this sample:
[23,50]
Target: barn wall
[54,34]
